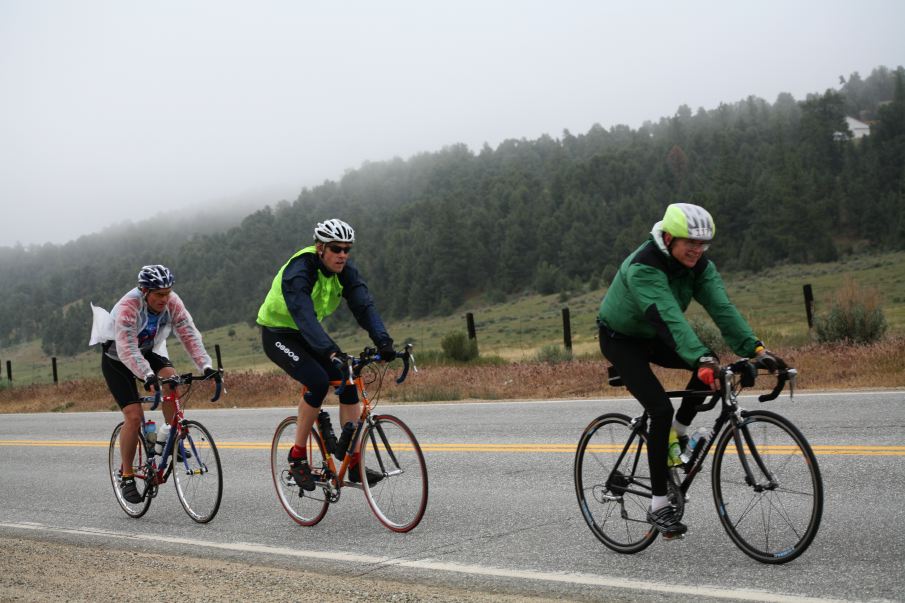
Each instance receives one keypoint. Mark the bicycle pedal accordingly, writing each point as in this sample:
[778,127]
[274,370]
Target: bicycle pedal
[669,537]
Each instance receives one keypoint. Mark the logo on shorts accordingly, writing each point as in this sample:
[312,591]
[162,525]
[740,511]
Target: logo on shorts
[287,351]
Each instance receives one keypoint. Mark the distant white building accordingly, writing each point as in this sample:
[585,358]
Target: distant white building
[858,128]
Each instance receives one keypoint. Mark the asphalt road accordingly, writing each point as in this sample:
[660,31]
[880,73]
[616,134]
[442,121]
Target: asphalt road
[498,521]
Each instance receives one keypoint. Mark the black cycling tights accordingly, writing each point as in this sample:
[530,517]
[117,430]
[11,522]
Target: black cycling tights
[289,351]
[632,359]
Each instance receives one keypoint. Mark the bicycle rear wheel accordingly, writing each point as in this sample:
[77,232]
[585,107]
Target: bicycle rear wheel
[115,464]
[612,483]
[400,498]
[775,519]
[198,477]
[305,508]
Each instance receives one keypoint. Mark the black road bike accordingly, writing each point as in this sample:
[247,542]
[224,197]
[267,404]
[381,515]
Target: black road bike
[765,478]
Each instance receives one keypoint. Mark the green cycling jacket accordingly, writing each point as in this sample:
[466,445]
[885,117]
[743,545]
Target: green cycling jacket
[650,293]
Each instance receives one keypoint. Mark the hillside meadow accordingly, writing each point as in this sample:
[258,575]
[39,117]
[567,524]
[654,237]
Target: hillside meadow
[516,337]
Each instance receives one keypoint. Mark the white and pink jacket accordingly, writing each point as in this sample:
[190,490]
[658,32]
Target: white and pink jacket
[130,316]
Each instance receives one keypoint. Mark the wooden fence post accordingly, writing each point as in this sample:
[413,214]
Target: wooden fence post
[809,305]
[566,329]
[469,323]
[53,361]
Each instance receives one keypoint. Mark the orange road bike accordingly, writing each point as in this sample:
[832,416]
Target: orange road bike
[189,454]
[765,478]
[381,442]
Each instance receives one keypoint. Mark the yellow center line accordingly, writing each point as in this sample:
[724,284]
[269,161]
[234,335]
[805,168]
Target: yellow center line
[820,449]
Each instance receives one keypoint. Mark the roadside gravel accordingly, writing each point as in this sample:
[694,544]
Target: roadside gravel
[33,570]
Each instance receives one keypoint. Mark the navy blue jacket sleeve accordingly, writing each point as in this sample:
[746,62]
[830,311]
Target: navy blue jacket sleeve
[362,305]
[299,278]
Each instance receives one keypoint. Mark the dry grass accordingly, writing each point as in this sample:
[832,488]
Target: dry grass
[820,367]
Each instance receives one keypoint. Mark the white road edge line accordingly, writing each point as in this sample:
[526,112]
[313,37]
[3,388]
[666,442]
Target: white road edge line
[427,564]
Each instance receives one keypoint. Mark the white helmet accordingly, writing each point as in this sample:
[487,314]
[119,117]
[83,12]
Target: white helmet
[334,230]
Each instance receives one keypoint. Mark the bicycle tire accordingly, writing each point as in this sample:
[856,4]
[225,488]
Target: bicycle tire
[778,523]
[114,459]
[399,500]
[306,508]
[615,511]
[199,476]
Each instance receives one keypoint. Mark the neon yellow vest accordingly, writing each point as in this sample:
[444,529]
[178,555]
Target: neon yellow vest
[326,295]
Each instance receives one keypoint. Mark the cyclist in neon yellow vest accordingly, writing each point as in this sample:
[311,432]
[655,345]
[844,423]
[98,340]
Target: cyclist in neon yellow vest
[308,288]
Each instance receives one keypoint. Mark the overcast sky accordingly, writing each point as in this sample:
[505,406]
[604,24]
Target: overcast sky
[120,110]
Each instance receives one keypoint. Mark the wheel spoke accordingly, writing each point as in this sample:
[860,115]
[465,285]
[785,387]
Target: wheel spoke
[198,477]
[615,508]
[304,507]
[770,522]
[400,498]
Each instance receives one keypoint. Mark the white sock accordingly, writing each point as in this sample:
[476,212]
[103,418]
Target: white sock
[658,502]
[680,429]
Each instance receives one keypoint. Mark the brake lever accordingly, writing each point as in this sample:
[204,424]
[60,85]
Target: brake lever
[793,378]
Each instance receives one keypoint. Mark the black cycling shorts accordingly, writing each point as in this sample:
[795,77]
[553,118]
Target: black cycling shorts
[289,351]
[120,380]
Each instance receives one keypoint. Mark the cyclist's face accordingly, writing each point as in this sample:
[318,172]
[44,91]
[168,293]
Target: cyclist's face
[688,251]
[157,299]
[334,255]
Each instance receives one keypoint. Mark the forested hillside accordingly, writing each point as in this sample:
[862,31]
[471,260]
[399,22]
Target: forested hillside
[785,181]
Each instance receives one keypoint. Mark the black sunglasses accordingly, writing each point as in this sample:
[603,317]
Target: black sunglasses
[340,249]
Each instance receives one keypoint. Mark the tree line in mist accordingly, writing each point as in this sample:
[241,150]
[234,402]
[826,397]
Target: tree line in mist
[784,182]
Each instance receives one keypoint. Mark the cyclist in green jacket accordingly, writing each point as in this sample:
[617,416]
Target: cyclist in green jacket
[308,288]
[642,321]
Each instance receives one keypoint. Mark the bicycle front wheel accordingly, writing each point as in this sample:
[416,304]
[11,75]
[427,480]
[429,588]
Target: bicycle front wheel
[400,498]
[772,516]
[198,476]
[304,507]
[115,462]
[612,483]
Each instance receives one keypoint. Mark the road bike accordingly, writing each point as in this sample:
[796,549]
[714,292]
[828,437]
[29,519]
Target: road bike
[381,442]
[196,469]
[765,478]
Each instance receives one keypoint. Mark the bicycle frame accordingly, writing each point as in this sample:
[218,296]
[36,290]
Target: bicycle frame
[334,479]
[161,470]
[731,417]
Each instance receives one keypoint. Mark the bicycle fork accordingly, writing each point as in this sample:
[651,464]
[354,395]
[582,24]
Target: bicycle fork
[740,431]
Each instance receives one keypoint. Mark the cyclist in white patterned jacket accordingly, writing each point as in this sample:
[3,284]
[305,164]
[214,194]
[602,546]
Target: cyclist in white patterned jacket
[141,321]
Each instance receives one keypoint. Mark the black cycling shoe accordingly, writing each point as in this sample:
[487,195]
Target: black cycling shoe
[373,476]
[301,473]
[130,492]
[179,458]
[666,522]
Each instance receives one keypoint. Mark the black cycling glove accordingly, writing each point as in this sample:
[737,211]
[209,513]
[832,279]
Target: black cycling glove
[386,351]
[340,360]
[217,376]
[152,381]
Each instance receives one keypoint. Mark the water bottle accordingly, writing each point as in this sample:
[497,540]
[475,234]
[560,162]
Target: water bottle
[162,436]
[329,438]
[150,428]
[696,442]
[344,438]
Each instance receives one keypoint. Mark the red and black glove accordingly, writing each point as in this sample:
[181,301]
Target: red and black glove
[707,371]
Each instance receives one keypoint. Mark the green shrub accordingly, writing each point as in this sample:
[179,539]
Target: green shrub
[855,316]
[709,335]
[457,346]
[547,279]
[553,354]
